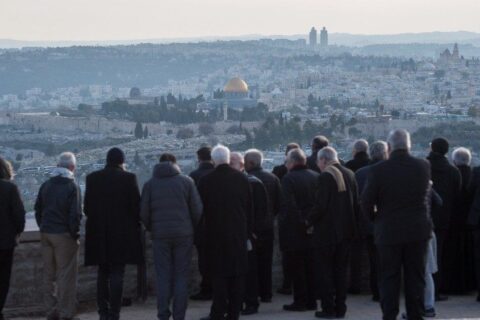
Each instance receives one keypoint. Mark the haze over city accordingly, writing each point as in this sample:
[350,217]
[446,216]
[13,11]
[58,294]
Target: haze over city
[90,20]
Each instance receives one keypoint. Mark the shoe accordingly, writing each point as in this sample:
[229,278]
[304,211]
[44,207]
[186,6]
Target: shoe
[354,291]
[285,291]
[429,313]
[440,298]
[294,307]
[325,315]
[206,318]
[404,316]
[53,316]
[103,317]
[478,298]
[264,300]
[201,296]
[249,311]
[376,298]
[312,307]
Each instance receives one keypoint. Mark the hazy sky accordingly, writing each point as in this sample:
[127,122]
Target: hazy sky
[144,19]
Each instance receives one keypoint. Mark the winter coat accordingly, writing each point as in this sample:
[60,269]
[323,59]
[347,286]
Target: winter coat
[12,214]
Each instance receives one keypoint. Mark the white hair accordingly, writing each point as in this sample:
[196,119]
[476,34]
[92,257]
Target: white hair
[399,140]
[67,160]
[220,155]
[328,153]
[237,155]
[360,145]
[378,150]
[462,156]
[254,156]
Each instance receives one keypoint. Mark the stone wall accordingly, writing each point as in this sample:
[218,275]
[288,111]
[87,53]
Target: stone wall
[25,295]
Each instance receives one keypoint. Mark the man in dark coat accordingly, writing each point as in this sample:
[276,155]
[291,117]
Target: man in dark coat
[171,209]
[334,221]
[378,152]
[205,166]
[112,234]
[474,222]
[265,233]
[458,256]
[298,187]
[228,211]
[360,160]
[260,209]
[280,171]
[395,197]
[447,182]
[318,143]
[12,223]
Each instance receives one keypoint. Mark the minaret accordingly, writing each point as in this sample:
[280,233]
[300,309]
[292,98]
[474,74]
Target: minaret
[455,54]
[225,111]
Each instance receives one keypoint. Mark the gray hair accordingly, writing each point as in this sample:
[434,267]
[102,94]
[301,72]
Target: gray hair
[254,156]
[328,153]
[399,140]
[462,156]
[67,160]
[297,156]
[360,145]
[220,155]
[378,150]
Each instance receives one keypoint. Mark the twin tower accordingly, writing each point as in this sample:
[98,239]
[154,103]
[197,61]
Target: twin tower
[314,36]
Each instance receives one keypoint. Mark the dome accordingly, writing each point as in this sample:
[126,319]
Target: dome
[236,85]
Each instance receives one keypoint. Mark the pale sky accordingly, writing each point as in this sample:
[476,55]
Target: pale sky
[77,20]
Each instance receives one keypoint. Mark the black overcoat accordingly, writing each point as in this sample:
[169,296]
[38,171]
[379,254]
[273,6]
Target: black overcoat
[112,207]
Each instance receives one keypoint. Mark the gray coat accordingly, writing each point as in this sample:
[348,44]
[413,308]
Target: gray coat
[171,206]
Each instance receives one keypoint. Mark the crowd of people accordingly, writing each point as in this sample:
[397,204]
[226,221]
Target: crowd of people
[419,218]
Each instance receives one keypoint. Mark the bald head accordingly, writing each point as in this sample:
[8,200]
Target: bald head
[236,161]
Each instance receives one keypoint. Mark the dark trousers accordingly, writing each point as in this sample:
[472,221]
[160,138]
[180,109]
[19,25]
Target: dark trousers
[373,261]
[301,267]
[331,263]
[264,265]
[356,256]
[251,284]
[476,237]
[6,261]
[227,297]
[411,257]
[110,289]
[172,257]
[441,235]
[205,282]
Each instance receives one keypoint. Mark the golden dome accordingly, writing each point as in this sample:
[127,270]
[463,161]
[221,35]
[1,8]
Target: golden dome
[236,85]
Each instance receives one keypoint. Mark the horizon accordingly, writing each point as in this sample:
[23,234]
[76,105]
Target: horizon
[121,20]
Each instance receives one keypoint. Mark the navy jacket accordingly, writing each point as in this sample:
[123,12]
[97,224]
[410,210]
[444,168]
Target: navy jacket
[12,214]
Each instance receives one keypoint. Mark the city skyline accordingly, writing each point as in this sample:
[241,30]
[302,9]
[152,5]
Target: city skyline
[55,20]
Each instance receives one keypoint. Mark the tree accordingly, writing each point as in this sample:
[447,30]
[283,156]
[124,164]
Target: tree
[137,160]
[135,93]
[473,112]
[138,130]
[145,133]
[206,129]
[51,150]
[85,108]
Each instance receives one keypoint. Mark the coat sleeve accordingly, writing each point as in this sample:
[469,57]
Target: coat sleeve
[39,207]
[277,197]
[260,203]
[75,212]
[473,189]
[145,206]
[135,198]
[369,196]
[17,210]
[87,201]
[194,203]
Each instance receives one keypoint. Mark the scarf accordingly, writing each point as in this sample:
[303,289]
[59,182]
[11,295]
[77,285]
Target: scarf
[62,172]
[337,176]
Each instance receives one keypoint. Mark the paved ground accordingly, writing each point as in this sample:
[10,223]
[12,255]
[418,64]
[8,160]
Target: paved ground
[360,308]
